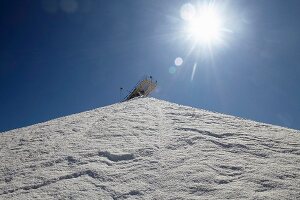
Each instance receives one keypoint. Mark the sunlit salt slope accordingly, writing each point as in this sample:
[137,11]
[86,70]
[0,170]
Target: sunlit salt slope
[150,149]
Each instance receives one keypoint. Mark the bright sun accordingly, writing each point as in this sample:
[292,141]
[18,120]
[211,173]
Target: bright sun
[204,25]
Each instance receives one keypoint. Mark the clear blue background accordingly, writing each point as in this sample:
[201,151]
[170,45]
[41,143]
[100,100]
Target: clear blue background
[63,57]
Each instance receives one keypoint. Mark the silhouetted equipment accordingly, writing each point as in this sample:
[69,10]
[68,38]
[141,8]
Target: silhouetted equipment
[142,88]
[121,90]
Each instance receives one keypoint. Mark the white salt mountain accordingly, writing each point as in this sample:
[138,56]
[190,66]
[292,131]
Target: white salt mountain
[150,149]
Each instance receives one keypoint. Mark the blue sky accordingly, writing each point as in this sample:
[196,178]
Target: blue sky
[67,56]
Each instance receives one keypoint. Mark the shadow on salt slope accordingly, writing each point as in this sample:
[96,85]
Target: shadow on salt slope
[224,135]
[116,157]
[90,173]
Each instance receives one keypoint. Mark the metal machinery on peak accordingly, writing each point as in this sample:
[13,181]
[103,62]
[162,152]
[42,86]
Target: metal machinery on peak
[142,89]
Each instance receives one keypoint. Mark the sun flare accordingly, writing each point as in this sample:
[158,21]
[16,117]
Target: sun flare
[204,25]
[205,28]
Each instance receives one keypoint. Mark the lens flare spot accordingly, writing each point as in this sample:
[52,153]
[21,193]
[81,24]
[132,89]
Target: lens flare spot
[194,70]
[187,12]
[172,70]
[178,61]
